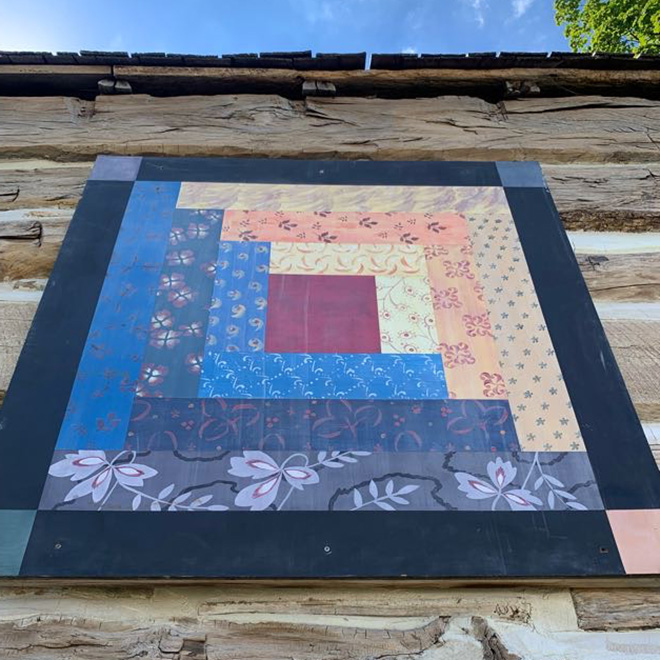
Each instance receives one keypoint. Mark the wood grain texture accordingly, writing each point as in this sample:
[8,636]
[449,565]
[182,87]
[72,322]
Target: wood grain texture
[635,345]
[214,641]
[622,277]
[606,197]
[15,320]
[625,609]
[412,82]
[36,184]
[330,620]
[574,130]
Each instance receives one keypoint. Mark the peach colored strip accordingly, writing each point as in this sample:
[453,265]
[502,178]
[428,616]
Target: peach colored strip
[470,356]
[348,227]
[542,408]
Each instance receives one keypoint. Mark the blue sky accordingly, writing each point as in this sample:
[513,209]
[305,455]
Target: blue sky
[233,26]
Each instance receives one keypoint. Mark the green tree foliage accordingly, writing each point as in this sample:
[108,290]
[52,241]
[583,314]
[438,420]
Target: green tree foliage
[615,26]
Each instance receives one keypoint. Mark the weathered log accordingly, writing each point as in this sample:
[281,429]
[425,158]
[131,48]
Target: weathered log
[635,345]
[69,79]
[35,184]
[622,277]
[489,83]
[169,81]
[216,641]
[627,609]
[328,620]
[15,320]
[606,197]
[580,129]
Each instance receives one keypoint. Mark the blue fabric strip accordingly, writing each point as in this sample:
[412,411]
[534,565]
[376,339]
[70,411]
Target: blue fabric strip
[102,395]
[173,357]
[237,319]
[323,376]
[400,425]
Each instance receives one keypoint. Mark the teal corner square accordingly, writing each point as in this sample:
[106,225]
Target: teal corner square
[518,174]
[15,529]
[116,168]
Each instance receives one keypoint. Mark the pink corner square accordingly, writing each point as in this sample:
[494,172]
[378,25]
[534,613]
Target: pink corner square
[322,314]
[637,535]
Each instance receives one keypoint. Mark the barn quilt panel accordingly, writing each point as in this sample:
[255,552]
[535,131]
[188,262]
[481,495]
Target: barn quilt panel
[232,354]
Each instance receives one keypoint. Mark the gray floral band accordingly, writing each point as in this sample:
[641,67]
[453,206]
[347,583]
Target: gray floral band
[319,481]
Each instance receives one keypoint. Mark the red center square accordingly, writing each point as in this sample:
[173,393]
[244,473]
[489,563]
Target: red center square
[322,314]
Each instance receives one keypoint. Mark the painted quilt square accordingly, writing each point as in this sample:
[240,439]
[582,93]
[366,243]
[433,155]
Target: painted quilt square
[322,314]
[369,348]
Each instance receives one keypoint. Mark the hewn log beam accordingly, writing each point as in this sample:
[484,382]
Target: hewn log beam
[586,129]
[73,79]
[607,609]
[79,80]
[326,620]
[171,81]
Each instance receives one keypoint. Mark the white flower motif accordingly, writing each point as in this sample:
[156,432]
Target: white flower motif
[501,475]
[263,468]
[96,474]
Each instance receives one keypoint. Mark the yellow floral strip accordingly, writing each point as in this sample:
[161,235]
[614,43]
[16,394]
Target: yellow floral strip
[346,259]
[405,315]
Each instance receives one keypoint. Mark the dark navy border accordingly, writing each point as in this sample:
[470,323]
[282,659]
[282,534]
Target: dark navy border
[306,544]
[38,394]
[322,544]
[319,172]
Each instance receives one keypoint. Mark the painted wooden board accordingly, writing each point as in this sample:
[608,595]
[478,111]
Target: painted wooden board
[245,368]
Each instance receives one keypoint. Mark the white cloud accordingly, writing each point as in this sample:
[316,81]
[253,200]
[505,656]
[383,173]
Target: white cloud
[116,43]
[520,7]
[409,50]
[479,7]
[319,12]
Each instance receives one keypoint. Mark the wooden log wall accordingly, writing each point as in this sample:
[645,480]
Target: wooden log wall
[601,158]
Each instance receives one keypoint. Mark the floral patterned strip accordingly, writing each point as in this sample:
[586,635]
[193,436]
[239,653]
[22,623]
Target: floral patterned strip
[338,198]
[322,376]
[102,394]
[405,315]
[351,480]
[172,360]
[347,259]
[238,309]
[391,228]
[464,330]
[540,402]
[332,424]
